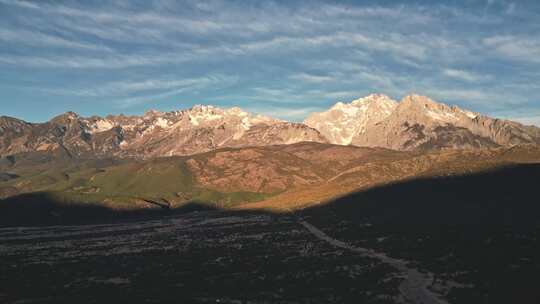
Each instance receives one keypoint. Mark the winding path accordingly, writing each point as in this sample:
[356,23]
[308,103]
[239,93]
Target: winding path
[414,288]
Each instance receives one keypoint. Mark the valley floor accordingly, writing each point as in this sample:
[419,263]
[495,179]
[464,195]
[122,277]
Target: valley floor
[456,239]
[204,257]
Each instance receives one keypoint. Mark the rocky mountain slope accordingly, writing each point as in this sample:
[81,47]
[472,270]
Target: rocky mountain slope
[416,122]
[369,168]
[155,134]
[343,122]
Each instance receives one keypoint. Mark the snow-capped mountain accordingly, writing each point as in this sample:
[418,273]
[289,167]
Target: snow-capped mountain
[199,129]
[416,122]
[344,121]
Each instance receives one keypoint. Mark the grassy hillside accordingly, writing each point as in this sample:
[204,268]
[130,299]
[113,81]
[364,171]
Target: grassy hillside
[119,184]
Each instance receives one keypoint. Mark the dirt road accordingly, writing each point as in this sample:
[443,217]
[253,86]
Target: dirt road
[414,288]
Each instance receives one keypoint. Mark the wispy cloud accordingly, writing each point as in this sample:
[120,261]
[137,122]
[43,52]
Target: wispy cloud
[87,62]
[525,48]
[465,75]
[40,39]
[172,88]
[122,88]
[25,4]
[291,56]
[147,90]
[305,77]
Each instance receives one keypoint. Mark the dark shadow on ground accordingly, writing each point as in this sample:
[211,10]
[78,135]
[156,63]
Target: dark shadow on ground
[480,230]
[43,209]
[504,197]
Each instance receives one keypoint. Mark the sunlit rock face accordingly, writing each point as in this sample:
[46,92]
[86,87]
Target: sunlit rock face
[198,129]
[345,121]
[416,122]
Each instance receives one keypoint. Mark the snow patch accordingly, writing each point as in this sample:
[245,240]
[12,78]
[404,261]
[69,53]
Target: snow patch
[237,111]
[441,115]
[347,109]
[101,126]
[162,123]
[258,119]
[470,114]
[193,120]
[246,123]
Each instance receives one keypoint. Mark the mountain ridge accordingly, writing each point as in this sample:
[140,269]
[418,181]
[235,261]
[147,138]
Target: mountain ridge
[414,123]
[198,129]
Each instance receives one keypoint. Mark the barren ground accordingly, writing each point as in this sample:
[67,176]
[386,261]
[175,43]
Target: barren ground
[203,257]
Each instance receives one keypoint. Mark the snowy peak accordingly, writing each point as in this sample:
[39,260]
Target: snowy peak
[343,121]
[381,99]
[416,122]
[198,116]
[207,115]
[200,128]
[418,107]
[376,120]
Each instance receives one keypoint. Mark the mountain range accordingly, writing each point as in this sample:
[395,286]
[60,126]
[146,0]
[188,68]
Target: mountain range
[415,123]
[229,158]
[155,134]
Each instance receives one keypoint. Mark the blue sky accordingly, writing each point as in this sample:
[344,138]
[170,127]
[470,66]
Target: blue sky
[283,58]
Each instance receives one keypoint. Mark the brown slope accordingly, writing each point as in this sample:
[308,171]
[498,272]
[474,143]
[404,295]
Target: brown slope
[278,168]
[296,175]
[266,170]
[390,168]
